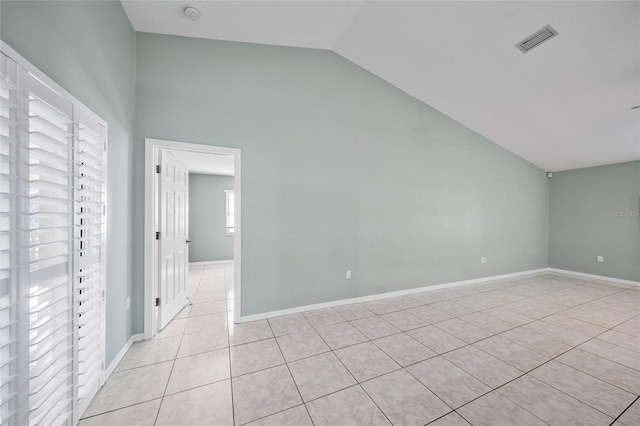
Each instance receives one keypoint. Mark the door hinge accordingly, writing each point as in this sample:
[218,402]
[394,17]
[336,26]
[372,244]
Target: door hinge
[158,235]
[158,169]
[157,301]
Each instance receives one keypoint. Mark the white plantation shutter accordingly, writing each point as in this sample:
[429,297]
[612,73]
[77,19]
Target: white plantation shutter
[12,411]
[50,226]
[52,249]
[90,241]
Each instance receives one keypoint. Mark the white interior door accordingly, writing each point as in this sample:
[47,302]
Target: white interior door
[173,220]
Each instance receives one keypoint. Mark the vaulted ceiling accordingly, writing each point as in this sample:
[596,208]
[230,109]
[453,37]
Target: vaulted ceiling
[565,104]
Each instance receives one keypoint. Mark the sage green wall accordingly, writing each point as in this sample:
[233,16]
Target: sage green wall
[594,212]
[88,48]
[340,170]
[208,218]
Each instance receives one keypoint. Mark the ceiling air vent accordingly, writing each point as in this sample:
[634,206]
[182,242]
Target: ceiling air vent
[536,39]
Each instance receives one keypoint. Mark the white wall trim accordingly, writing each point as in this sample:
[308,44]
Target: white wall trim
[595,277]
[211,262]
[379,296]
[114,363]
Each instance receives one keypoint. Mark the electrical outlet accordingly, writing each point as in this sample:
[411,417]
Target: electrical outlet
[128,303]
[483,259]
[600,258]
[348,275]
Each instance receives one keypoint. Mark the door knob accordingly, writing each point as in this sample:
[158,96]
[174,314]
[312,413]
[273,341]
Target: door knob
[188,241]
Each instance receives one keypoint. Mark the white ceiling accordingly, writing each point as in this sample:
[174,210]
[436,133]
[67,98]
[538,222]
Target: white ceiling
[565,104]
[206,164]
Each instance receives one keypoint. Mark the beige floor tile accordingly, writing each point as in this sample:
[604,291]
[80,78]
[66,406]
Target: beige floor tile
[622,339]
[555,332]
[255,356]
[404,400]
[131,387]
[487,322]
[575,325]
[174,328]
[631,417]
[551,405]
[206,322]
[631,327]
[296,416]
[430,315]
[483,366]
[463,330]
[320,375]
[612,352]
[263,393]
[508,316]
[322,317]
[208,308]
[210,404]
[351,406]
[494,409]
[143,414]
[184,313]
[453,385]
[516,355]
[249,332]
[301,345]
[403,320]
[453,308]
[380,307]
[603,369]
[198,370]
[405,302]
[374,327]
[600,395]
[203,341]
[451,419]
[599,316]
[404,349]
[435,339]
[353,312]
[366,361]
[536,342]
[340,335]
[289,324]
[150,352]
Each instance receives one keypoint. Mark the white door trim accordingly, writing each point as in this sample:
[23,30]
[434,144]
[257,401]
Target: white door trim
[152,146]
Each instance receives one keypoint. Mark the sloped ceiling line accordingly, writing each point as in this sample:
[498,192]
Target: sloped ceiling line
[564,105]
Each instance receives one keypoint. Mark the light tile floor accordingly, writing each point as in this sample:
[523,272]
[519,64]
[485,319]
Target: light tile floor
[539,349]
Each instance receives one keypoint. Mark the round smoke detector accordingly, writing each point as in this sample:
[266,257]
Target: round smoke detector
[192,13]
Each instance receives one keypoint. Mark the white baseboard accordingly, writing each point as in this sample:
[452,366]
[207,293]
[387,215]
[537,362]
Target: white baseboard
[211,262]
[114,364]
[379,296]
[595,277]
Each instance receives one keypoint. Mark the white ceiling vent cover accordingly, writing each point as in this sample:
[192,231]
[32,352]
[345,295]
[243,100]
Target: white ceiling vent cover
[536,39]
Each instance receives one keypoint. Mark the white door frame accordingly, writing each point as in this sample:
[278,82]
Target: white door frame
[152,146]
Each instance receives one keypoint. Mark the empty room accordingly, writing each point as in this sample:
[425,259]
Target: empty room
[319,213]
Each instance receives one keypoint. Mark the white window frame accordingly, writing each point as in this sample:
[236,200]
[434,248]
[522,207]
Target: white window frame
[21,277]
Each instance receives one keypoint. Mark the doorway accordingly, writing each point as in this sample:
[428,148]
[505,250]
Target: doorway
[166,261]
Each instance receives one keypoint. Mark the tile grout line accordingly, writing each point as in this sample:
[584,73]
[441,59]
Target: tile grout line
[226,294]
[574,286]
[624,411]
[551,359]
[292,379]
